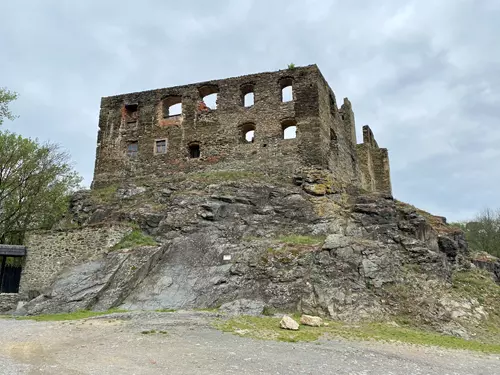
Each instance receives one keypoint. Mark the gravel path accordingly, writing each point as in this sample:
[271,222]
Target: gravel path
[117,346]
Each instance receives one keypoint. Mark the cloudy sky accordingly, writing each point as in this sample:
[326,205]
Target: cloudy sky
[424,74]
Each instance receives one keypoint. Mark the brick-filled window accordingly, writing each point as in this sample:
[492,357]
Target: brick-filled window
[132,149]
[161,146]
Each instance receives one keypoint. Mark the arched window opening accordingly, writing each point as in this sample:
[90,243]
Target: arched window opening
[289,128]
[286,86]
[194,151]
[248,133]
[209,96]
[172,106]
[247,93]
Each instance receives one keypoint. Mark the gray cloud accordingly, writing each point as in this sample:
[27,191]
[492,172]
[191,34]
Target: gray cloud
[424,74]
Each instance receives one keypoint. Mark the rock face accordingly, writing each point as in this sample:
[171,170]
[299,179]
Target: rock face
[259,243]
[288,323]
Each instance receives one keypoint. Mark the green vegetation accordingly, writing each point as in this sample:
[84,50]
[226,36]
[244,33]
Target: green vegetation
[301,240]
[104,194]
[267,328]
[80,314]
[291,66]
[6,97]
[483,232]
[134,239]
[35,189]
[166,310]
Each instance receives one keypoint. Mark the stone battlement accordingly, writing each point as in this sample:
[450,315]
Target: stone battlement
[273,123]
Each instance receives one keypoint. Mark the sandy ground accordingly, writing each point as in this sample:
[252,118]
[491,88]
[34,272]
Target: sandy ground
[115,345]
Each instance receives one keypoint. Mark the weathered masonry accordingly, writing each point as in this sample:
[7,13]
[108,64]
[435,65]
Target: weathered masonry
[273,123]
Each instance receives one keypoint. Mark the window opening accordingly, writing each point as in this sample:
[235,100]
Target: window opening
[289,128]
[172,106]
[132,149]
[209,96]
[247,93]
[194,151]
[131,112]
[248,133]
[286,90]
[161,146]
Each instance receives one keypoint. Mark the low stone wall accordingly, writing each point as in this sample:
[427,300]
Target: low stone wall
[50,252]
[8,301]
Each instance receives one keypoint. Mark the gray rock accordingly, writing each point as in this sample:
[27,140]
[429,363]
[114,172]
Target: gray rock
[243,307]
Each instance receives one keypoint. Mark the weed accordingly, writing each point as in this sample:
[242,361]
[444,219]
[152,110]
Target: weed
[80,314]
[134,239]
[166,310]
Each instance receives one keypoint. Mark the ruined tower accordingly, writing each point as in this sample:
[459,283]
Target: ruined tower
[272,123]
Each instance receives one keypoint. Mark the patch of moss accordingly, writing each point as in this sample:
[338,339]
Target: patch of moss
[267,328]
[80,314]
[134,239]
[301,240]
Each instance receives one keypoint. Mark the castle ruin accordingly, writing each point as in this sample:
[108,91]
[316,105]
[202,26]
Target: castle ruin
[273,123]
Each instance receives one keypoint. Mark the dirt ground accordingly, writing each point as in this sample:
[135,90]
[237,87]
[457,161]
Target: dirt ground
[184,343]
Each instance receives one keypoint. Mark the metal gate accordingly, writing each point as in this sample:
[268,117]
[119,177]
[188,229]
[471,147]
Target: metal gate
[11,261]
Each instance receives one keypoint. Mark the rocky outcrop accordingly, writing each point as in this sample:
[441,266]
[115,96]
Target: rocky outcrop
[246,244]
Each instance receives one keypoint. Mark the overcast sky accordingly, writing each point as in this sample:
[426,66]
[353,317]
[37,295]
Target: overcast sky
[424,74]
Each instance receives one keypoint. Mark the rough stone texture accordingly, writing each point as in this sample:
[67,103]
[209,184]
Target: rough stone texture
[50,252]
[229,243]
[288,323]
[312,321]
[326,136]
[8,302]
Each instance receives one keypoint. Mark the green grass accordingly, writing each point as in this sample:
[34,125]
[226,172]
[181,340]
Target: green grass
[166,310]
[80,314]
[267,328]
[301,240]
[135,238]
[104,194]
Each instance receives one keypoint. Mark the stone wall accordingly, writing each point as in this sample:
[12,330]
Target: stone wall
[8,301]
[374,164]
[49,252]
[326,136]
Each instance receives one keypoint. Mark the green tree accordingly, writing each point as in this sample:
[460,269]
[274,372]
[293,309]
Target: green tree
[35,181]
[6,97]
[483,233]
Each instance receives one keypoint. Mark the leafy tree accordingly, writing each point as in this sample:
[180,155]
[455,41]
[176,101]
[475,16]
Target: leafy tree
[483,233]
[6,97]
[35,181]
